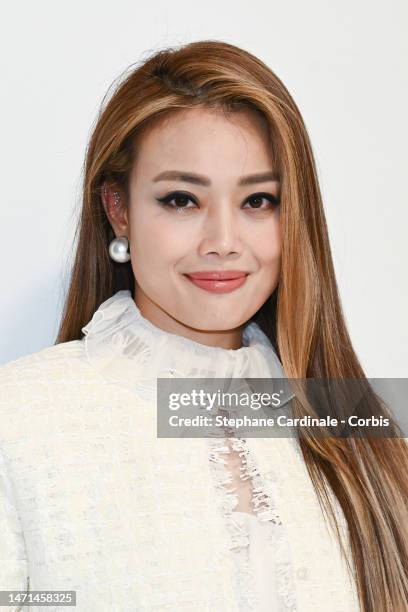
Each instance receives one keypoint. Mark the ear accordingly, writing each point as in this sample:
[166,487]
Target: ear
[114,203]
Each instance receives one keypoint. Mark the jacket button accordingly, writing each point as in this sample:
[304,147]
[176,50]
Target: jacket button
[302,573]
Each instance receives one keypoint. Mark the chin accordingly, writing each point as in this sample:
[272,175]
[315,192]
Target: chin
[214,324]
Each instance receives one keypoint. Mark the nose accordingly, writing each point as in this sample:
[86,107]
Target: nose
[220,232]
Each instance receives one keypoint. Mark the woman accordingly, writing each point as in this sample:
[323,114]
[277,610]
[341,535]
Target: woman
[199,163]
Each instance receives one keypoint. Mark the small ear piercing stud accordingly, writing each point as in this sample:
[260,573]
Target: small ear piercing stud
[116,196]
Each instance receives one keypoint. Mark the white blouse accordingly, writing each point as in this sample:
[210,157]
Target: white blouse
[260,554]
[264,572]
[258,536]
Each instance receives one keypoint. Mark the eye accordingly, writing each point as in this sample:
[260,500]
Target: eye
[177,196]
[256,199]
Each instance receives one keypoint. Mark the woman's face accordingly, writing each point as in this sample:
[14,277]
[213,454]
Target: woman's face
[218,172]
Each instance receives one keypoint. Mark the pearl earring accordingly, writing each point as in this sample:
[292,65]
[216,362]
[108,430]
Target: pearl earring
[118,248]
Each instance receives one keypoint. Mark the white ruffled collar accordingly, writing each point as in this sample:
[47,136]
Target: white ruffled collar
[126,348]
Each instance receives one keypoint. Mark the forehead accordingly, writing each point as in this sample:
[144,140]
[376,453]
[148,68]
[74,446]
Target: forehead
[205,140]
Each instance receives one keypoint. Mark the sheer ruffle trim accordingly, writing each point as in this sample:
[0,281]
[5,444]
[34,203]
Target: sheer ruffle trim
[125,347]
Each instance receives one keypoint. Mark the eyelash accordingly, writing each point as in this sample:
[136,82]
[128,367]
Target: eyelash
[165,200]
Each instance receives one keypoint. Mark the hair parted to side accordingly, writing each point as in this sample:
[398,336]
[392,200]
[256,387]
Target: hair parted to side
[303,318]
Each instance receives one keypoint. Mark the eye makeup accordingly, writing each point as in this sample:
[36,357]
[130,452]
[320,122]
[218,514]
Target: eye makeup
[272,201]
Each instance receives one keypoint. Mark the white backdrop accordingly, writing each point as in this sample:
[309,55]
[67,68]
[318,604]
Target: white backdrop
[344,62]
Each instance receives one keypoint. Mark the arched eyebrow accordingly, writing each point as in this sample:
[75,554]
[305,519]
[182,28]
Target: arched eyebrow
[199,179]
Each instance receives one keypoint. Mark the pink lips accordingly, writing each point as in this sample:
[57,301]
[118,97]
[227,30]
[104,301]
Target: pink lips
[218,282]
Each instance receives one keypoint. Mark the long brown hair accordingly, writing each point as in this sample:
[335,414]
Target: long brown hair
[303,318]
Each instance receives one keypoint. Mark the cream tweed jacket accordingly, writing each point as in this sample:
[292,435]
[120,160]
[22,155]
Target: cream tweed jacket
[92,500]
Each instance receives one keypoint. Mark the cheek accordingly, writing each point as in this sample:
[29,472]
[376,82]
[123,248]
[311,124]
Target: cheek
[267,245]
[155,245]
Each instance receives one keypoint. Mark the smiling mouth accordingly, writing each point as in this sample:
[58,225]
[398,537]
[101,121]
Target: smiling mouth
[218,285]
